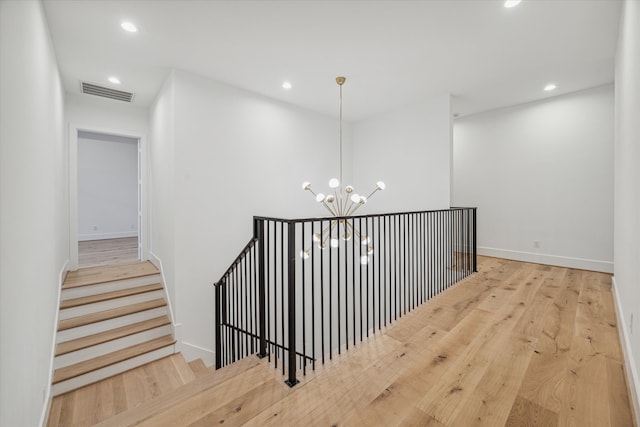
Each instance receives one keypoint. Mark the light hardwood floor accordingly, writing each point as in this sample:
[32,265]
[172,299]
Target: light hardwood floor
[92,253]
[516,344]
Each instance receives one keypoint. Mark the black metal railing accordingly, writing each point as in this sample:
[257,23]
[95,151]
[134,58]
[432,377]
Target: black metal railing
[304,290]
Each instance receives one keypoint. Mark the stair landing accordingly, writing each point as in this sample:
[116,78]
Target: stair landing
[104,399]
[93,275]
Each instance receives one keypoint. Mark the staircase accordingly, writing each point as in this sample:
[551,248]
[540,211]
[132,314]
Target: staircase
[112,319]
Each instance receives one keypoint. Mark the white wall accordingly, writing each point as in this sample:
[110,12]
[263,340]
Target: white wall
[161,186]
[94,113]
[627,192]
[33,210]
[541,172]
[107,187]
[410,151]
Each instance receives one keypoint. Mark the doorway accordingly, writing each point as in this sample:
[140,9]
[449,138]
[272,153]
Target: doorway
[107,203]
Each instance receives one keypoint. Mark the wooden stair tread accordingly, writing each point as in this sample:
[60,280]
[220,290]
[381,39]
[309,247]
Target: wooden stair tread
[182,368]
[94,275]
[110,335]
[99,316]
[150,408]
[199,368]
[68,372]
[109,295]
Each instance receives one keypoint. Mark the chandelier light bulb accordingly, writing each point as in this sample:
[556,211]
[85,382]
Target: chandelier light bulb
[355,198]
[306,185]
[334,243]
[363,200]
[317,237]
[304,254]
[330,199]
[380,185]
[320,198]
[322,245]
[364,260]
[334,183]
[364,240]
[346,236]
[369,250]
[349,189]
[129,26]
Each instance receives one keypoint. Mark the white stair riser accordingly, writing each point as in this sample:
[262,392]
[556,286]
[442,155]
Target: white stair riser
[95,307]
[105,325]
[110,346]
[109,371]
[101,288]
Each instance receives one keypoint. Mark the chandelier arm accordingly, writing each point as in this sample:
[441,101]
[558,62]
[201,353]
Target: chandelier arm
[346,206]
[329,209]
[375,190]
[357,233]
[355,208]
[338,201]
[348,210]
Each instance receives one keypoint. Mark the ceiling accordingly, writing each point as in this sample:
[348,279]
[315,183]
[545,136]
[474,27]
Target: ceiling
[393,53]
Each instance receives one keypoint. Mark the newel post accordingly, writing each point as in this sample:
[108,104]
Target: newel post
[258,232]
[475,240]
[218,291]
[291,302]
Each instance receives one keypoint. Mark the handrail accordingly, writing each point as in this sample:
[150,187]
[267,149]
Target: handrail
[329,218]
[287,298]
[238,259]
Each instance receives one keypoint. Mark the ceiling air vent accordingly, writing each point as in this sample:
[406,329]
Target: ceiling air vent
[105,92]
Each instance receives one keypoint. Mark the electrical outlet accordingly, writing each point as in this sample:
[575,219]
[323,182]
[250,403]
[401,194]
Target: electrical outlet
[536,243]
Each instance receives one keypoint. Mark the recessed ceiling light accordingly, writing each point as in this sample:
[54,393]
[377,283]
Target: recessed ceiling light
[114,80]
[286,85]
[128,26]
[550,87]
[511,3]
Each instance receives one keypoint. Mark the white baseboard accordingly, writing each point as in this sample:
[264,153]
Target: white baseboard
[155,260]
[629,363]
[189,351]
[47,392]
[561,261]
[192,352]
[103,236]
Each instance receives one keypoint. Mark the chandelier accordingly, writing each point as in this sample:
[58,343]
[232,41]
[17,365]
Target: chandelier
[341,201]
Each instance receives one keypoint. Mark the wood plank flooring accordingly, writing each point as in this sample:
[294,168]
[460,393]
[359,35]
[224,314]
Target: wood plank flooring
[516,344]
[92,253]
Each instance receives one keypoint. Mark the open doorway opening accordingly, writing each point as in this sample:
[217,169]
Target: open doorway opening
[108,199]
[107,224]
